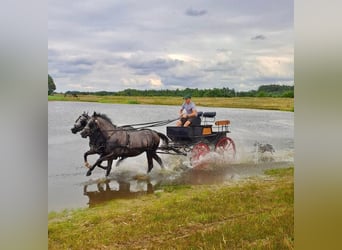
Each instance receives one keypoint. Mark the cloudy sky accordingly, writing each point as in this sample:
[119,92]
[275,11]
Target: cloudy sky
[113,45]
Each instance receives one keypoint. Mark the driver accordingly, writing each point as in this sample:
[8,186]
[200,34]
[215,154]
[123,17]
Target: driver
[190,112]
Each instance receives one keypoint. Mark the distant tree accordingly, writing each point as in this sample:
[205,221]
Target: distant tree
[276,90]
[288,94]
[261,94]
[51,85]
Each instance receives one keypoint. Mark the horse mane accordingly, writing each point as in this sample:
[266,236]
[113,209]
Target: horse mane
[105,117]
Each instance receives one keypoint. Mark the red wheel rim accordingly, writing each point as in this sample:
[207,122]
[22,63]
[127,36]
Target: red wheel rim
[226,147]
[199,150]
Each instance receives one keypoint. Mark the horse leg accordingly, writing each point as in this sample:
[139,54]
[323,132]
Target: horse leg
[89,152]
[119,161]
[149,161]
[109,166]
[86,163]
[103,167]
[98,162]
[109,163]
[157,158]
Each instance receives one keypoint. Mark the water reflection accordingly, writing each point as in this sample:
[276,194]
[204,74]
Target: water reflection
[122,190]
[128,185]
[201,177]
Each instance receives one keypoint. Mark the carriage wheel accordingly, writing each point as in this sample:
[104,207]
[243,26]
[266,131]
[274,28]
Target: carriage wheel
[198,151]
[226,147]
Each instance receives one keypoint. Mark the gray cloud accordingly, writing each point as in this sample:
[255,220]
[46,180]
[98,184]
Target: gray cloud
[152,66]
[66,67]
[258,37]
[193,12]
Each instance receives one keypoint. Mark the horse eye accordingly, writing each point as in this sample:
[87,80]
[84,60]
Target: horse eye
[83,123]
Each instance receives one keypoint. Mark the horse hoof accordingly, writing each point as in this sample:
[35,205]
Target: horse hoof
[88,173]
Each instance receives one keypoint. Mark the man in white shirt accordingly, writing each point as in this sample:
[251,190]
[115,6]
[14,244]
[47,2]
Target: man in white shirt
[190,112]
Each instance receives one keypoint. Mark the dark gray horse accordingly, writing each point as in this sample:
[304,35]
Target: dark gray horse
[96,144]
[80,123]
[113,142]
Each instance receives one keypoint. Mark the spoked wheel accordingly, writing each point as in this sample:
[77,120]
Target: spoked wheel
[226,148]
[198,152]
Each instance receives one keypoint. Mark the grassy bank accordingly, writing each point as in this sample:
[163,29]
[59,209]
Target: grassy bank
[284,104]
[253,214]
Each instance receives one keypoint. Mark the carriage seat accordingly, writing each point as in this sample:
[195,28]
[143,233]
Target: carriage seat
[209,114]
[197,120]
[208,117]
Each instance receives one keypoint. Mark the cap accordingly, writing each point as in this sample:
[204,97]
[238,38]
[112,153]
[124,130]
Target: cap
[187,96]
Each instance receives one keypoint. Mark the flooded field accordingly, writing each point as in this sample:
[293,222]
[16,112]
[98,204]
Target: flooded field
[69,187]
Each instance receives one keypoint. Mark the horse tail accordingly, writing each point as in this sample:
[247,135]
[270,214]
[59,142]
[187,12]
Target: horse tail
[164,138]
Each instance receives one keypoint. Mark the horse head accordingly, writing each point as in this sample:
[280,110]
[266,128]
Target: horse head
[80,123]
[104,123]
[90,128]
[97,123]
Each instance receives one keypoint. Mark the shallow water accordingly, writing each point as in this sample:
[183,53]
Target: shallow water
[70,188]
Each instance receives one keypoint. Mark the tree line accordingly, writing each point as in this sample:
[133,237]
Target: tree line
[271,90]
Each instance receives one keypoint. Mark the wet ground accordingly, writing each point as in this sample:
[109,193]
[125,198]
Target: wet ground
[70,188]
[129,185]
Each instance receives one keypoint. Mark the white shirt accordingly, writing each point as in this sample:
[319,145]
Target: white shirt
[188,107]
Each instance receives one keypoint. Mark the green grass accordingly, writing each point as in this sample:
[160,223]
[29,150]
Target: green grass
[270,103]
[252,214]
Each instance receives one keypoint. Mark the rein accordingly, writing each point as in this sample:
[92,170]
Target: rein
[152,124]
[144,125]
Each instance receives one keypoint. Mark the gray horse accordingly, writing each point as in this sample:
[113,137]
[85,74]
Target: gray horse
[113,142]
[95,144]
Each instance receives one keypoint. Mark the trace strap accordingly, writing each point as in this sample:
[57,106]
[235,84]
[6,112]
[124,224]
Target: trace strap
[152,124]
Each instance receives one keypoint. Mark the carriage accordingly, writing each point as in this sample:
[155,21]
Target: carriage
[205,135]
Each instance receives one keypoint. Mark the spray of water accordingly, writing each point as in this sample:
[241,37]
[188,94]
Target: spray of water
[130,178]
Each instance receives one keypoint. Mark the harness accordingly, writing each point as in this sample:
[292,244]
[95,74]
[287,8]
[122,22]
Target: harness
[128,138]
[126,129]
[127,144]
